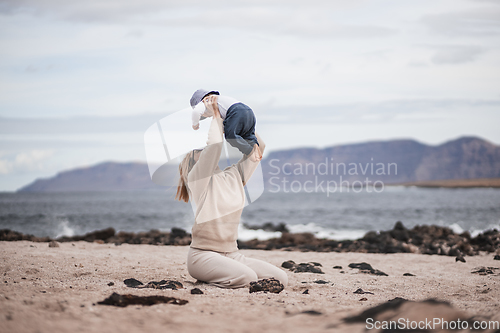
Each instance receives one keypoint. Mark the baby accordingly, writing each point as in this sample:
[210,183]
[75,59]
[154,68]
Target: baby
[239,121]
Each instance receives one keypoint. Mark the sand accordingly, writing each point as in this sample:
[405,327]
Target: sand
[56,289]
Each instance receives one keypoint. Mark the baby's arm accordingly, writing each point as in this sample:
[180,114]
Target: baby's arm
[198,110]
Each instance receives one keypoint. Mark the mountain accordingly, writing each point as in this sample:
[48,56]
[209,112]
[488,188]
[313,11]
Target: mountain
[395,161]
[101,177]
[390,162]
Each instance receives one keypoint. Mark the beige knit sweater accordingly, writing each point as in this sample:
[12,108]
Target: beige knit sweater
[218,194]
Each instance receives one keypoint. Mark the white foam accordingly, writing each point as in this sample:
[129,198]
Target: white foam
[456,228]
[64,229]
[334,234]
[245,234]
[321,232]
[475,232]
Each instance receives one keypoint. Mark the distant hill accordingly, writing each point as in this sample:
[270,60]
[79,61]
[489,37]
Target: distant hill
[395,161]
[391,162]
[101,177]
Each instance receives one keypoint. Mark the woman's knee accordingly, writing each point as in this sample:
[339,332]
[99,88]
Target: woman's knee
[266,270]
[243,279]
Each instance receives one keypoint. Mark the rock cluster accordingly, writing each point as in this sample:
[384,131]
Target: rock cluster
[176,236]
[125,300]
[425,239]
[366,268]
[163,284]
[272,285]
[310,267]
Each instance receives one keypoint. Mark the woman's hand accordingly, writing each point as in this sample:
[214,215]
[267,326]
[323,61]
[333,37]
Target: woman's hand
[211,105]
[255,155]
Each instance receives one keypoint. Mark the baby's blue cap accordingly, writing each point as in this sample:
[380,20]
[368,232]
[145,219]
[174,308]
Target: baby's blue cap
[199,94]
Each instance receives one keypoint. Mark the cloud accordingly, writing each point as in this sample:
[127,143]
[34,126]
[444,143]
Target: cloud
[26,161]
[387,112]
[307,23]
[77,125]
[456,54]
[130,10]
[295,18]
[481,21]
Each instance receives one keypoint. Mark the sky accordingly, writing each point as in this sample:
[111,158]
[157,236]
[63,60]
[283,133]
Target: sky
[81,81]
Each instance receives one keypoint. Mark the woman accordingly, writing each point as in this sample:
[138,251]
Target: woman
[219,198]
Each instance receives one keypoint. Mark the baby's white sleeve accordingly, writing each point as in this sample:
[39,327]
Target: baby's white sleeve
[198,110]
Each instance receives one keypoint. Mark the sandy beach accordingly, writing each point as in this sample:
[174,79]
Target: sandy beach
[57,289]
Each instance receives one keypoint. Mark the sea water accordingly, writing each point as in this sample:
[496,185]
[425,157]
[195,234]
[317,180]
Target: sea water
[341,215]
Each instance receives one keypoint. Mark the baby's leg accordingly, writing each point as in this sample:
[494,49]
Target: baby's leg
[236,125]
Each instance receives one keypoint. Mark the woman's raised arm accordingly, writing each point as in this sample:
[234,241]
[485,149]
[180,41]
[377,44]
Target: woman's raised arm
[246,166]
[204,169]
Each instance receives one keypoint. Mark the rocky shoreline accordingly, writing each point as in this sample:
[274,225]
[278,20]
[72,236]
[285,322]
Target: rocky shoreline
[424,239]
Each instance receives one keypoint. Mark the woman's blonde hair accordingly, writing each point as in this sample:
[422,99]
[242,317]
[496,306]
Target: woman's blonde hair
[184,168]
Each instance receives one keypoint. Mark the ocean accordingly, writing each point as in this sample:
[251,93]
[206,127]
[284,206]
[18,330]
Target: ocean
[339,216]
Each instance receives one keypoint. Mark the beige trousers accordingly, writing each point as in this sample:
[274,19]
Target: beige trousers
[230,269]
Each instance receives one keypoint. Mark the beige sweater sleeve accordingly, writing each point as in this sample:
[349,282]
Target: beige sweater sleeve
[245,165]
[203,170]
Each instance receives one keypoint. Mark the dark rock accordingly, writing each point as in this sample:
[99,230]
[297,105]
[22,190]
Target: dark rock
[321,282]
[288,264]
[399,232]
[272,285]
[177,233]
[103,235]
[497,257]
[53,244]
[361,291]
[377,272]
[460,258]
[392,304]
[312,267]
[307,268]
[132,283]
[268,226]
[363,299]
[306,291]
[362,266]
[196,291]
[125,300]
[111,284]
[408,274]
[484,270]
[164,284]
[179,236]
[10,235]
[337,267]
[312,312]
[367,268]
